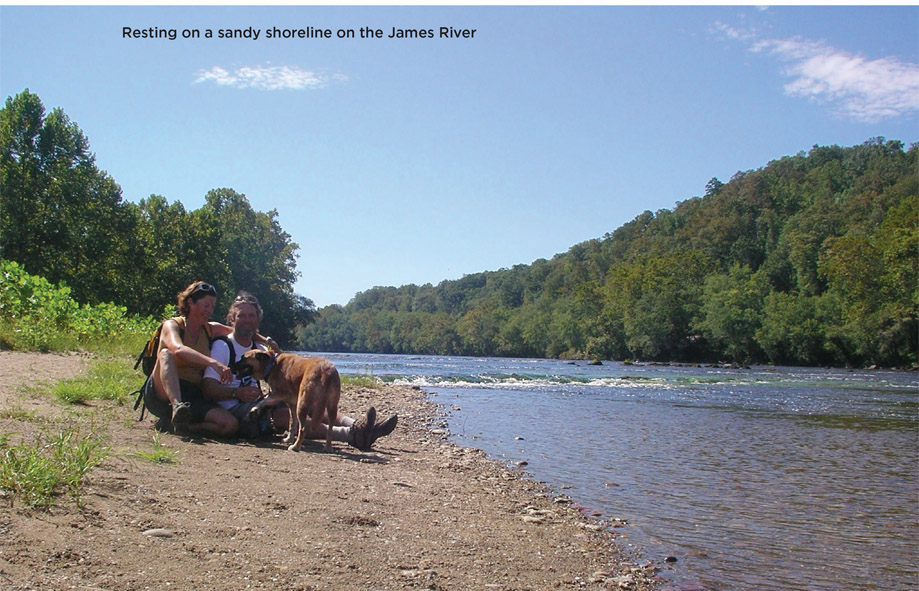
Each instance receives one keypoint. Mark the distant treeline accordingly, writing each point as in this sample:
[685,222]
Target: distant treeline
[813,259]
[63,219]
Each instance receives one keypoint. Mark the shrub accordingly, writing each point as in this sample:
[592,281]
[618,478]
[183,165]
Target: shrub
[36,315]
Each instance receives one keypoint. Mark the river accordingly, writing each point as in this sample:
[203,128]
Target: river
[761,478]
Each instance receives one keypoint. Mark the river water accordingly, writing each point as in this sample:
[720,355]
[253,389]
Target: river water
[763,478]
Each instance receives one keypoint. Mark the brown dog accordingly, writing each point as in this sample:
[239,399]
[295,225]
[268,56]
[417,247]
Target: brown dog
[308,386]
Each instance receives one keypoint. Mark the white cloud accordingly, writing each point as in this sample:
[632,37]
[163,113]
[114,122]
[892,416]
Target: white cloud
[731,32]
[267,78]
[854,86]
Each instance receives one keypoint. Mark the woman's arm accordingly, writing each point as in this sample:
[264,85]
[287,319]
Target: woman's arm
[172,340]
[220,330]
[267,341]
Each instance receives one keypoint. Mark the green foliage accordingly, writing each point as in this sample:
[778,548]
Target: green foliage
[36,315]
[29,475]
[60,216]
[732,311]
[63,219]
[18,413]
[813,259]
[257,256]
[793,329]
[56,463]
[874,276]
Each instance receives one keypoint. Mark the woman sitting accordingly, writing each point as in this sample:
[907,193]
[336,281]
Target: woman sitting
[174,392]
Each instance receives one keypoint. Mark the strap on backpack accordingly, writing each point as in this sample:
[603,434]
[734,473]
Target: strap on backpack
[139,402]
[232,364]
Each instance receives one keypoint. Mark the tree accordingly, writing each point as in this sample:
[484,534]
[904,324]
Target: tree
[875,279]
[713,186]
[60,216]
[731,312]
[244,249]
[64,219]
[161,259]
[812,259]
[478,330]
[792,331]
[656,298]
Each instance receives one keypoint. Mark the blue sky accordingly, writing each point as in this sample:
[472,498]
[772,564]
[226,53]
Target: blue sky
[394,161]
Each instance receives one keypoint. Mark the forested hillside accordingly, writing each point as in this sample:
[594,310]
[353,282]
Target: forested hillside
[63,219]
[812,259]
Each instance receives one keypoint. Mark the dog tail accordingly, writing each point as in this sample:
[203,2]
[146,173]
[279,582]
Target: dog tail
[330,375]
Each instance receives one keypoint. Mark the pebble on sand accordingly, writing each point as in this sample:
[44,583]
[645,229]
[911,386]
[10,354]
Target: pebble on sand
[158,533]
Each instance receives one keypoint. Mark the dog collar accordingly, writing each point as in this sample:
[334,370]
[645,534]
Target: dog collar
[271,364]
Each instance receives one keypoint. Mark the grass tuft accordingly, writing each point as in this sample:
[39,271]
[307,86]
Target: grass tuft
[56,463]
[17,413]
[361,381]
[106,380]
[159,454]
[366,379]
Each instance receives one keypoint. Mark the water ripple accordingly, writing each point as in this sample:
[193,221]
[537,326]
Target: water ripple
[788,479]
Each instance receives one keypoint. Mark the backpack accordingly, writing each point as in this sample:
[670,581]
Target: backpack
[146,359]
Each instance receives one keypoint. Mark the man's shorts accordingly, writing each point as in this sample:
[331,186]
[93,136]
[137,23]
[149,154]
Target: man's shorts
[241,410]
[191,393]
[250,429]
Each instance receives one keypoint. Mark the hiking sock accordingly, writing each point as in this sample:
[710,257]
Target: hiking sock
[342,434]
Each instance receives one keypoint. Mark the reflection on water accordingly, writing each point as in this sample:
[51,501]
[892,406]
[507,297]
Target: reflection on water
[770,478]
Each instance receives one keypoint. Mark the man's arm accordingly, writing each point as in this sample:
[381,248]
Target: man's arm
[216,391]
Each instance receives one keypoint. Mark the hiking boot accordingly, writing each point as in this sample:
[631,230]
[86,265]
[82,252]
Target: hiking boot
[360,431]
[382,430]
[181,416]
[249,429]
[163,425]
[265,422]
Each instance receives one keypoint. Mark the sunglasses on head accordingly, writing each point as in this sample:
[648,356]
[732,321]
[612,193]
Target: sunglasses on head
[205,288]
[246,300]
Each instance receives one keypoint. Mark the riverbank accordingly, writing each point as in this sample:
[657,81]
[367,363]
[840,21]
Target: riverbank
[416,513]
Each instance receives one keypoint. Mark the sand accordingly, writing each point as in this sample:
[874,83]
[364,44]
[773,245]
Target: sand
[417,512]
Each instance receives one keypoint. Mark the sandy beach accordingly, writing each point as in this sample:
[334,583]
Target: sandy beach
[418,512]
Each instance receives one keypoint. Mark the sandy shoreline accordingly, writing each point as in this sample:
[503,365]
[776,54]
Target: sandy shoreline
[416,513]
